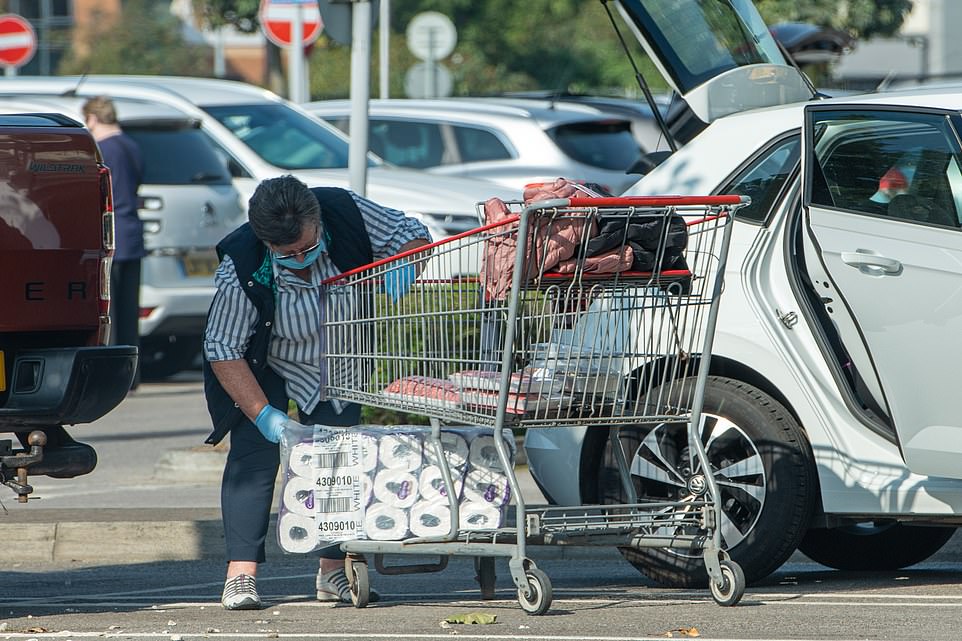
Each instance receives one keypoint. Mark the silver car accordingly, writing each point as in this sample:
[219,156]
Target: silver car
[512,142]
[187,203]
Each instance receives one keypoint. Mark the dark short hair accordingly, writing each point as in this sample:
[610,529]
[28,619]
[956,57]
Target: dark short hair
[281,208]
[103,108]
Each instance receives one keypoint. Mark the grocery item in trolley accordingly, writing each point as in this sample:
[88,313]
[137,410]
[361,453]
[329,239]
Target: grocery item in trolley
[579,242]
[386,484]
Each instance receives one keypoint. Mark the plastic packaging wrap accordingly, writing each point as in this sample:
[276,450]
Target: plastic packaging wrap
[386,483]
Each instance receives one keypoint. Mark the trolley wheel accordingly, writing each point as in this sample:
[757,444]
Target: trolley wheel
[538,599]
[486,577]
[733,584]
[360,583]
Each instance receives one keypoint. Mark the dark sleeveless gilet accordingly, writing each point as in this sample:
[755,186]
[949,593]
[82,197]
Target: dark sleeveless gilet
[349,247]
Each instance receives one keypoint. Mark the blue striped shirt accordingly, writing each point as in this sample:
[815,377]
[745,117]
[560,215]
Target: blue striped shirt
[295,347]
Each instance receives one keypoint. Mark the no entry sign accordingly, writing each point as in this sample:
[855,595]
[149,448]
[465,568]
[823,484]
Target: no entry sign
[277,20]
[18,42]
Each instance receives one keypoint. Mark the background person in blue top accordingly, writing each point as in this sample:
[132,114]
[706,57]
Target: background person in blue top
[122,156]
[262,347]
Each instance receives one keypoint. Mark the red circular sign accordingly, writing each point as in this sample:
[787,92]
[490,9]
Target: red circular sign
[18,42]
[277,20]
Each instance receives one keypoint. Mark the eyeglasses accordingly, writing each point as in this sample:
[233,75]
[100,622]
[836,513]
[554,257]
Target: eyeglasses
[300,253]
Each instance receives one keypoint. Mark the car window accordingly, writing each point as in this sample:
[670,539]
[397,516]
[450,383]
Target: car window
[699,40]
[605,144]
[178,156]
[282,136]
[477,145]
[892,164]
[409,144]
[764,178]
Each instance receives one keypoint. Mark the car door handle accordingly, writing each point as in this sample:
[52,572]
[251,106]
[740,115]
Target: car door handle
[871,263]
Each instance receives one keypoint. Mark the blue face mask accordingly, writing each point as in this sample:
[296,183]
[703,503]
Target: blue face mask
[309,257]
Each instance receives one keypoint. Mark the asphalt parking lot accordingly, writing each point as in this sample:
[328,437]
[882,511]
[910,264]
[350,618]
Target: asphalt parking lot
[134,551]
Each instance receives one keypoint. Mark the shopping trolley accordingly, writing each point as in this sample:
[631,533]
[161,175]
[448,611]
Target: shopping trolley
[592,312]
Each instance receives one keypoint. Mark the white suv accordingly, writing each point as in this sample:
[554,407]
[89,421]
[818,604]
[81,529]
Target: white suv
[831,416]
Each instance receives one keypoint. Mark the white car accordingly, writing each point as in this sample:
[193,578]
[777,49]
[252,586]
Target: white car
[261,135]
[831,417]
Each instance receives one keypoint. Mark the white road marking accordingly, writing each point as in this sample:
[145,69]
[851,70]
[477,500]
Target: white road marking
[333,635]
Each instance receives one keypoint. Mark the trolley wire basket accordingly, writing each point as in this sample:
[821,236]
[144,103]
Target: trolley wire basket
[568,312]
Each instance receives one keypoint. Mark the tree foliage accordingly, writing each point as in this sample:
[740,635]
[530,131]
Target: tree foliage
[146,39]
[506,45]
[241,14]
[861,18]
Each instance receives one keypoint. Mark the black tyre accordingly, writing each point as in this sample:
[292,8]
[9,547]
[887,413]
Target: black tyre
[162,358]
[761,461]
[874,546]
[360,584]
[539,596]
[733,587]
[486,576]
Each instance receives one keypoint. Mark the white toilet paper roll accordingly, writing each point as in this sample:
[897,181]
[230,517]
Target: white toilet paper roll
[385,523]
[301,460]
[430,518]
[296,533]
[367,489]
[400,451]
[483,454]
[479,516]
[369,451]
[455,450]
[431,483]
[396,487]
[486,486]
[298,496]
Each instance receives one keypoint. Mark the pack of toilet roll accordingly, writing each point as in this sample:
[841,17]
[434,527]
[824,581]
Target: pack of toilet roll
[387,484]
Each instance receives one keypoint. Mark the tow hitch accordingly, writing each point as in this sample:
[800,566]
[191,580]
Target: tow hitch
[17,461]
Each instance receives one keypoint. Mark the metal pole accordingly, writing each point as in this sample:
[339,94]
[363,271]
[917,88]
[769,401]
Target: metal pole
[11,70]
[432,65]
[295,58]
[360,94]
[220,65]
[384,48]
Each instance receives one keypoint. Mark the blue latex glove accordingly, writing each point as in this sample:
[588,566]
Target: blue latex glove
[271,422]
[398,281]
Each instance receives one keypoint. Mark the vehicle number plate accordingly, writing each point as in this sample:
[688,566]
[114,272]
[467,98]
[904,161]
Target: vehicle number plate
[200,263]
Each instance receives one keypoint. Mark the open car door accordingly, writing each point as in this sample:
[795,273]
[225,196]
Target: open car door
[718,56]
[883,205]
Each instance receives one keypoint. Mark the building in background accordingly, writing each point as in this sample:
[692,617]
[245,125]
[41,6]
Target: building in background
[60,26]
[928,47]
[238,56]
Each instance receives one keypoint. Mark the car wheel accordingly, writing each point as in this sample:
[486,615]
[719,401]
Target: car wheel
[874,546]
[162,358]
[761,461]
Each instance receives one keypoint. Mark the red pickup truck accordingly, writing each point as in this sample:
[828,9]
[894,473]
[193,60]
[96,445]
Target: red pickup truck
[56,240]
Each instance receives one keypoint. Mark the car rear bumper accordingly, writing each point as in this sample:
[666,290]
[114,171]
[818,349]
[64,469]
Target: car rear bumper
[64,386]
[174,310]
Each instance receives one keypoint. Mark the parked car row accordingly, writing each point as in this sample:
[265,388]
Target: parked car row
[207,144]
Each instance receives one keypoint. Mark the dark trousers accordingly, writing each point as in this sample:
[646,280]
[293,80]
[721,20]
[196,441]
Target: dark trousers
[247,489]
[125,305]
